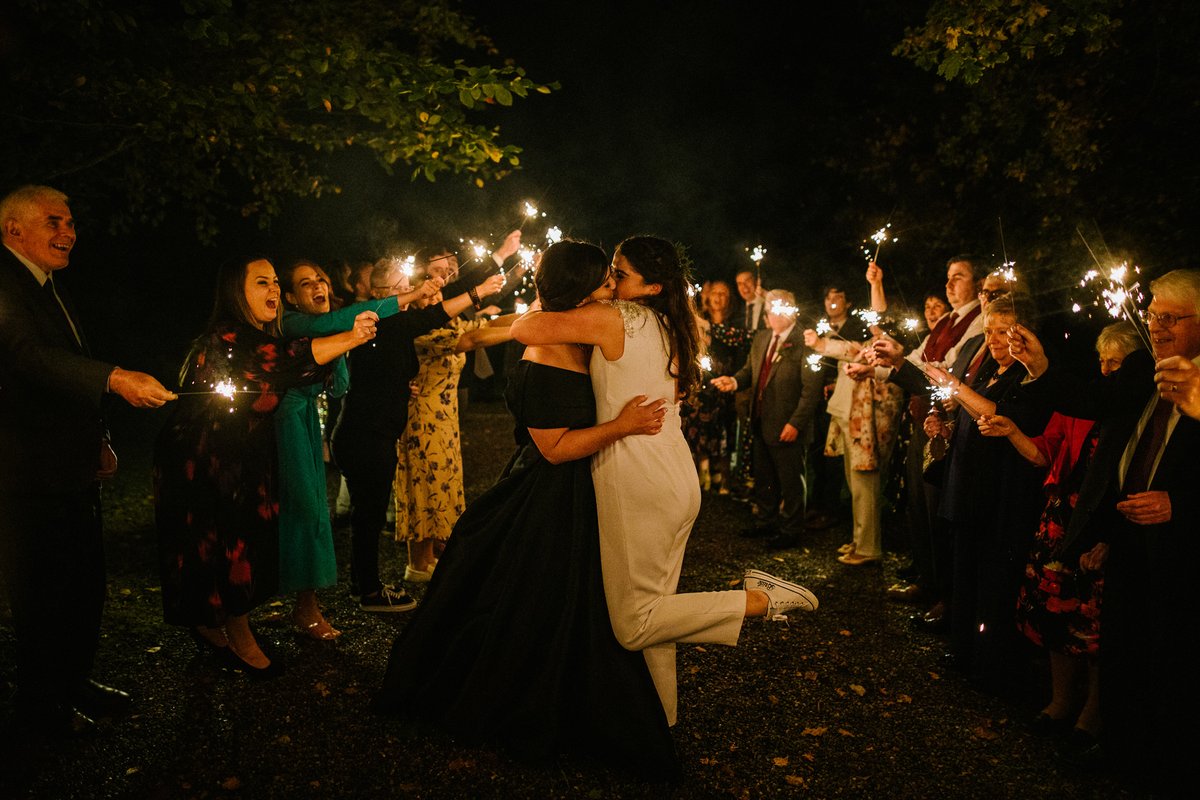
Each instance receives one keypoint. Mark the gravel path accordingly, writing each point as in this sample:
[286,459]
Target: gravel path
[847,702]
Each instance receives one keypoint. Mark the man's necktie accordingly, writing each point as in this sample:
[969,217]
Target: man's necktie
[1137,478]
[976,362]
[49,285]
[764,372]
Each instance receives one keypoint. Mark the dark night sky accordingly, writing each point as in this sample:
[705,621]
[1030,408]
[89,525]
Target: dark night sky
[708,123]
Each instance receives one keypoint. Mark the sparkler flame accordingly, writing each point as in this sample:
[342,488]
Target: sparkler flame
[823,327]
[756,255]
[814,362]
[706,363]
[870,318]
[554,234]
[911,323]
[783,309]
[529,209]
[521,307]
[941,393]
[225,389]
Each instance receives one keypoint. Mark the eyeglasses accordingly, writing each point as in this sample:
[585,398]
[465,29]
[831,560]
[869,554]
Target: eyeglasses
[992,294]
[1166,320]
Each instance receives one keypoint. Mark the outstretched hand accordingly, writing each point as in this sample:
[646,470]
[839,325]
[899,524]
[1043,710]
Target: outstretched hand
[995,425]
[723,383]
[364,326]
[139,389]
[509,247]
[491,286]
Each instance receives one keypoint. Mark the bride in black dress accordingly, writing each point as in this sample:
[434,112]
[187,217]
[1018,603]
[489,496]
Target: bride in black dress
[512,644]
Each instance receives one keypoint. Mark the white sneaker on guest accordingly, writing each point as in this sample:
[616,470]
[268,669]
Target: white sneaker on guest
[782,596]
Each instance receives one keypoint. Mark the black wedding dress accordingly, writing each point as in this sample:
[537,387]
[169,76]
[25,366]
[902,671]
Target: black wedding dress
[512,644]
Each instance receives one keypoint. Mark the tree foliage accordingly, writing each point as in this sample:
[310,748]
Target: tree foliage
[220,105]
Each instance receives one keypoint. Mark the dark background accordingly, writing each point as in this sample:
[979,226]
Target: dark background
[719,125]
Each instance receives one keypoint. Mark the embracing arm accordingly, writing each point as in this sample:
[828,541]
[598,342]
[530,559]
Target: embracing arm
[559,445]
[595,323]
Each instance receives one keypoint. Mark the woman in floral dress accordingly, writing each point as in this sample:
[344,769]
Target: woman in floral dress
[429,477]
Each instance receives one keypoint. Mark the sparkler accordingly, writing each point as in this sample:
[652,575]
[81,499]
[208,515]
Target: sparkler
[879,237]
[870,318]
[783,309]
[1120,299]
[911,323]
[224,388]
[706,363]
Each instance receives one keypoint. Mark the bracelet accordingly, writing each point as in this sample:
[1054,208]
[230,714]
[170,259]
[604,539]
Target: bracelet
[474,295]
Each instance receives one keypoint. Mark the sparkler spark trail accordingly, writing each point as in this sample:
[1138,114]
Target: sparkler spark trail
[911,323]
[706,363]
[224,388]
[814,361]
[879,237]
[1118,298]
[783,309]
[870,318]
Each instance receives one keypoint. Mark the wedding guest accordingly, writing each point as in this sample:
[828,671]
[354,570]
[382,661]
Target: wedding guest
[56,452]
[429,476]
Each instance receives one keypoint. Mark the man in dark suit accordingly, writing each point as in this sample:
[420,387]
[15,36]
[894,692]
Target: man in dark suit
[53,453]
[785,393]
[1137,516]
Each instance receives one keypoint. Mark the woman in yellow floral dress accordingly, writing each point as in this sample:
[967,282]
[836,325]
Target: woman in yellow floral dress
[429,478]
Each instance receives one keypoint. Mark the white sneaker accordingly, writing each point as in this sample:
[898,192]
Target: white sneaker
[782,596]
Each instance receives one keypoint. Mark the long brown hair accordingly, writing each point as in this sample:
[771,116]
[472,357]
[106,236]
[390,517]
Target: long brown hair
[659,261]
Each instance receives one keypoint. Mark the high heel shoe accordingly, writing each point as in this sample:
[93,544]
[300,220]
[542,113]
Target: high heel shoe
[236,663]
[206,645]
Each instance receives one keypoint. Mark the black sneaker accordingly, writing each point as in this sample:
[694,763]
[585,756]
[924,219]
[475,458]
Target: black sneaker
[387,600]
[356,593]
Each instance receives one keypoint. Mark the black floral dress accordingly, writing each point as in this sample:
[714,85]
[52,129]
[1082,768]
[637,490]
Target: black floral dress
[710,418]
[1058,606]
[215,496]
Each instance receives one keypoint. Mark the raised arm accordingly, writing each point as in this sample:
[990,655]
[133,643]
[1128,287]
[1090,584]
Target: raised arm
[875,279]
[559,445]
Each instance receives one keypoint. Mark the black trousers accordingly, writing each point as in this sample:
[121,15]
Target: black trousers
[52,560]
[780,488]
[368,464]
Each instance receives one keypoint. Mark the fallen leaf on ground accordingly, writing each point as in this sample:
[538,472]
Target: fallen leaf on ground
[780,761]
[844,632]
[154,649]
[231,784]
[858,690]
[903,698]
[795,780]
[814,731]
[811,675]
[845,732]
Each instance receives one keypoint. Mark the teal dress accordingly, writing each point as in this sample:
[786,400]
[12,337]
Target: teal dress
[306,557]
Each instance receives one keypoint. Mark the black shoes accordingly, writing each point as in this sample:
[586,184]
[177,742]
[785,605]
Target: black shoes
[96,700]
[235,663]
[935,620]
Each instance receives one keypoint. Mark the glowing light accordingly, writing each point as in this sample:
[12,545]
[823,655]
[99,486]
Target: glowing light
[814,362]
[529,209]
[521,307]
[756,255]
[911,323]
[782,309]
[554,234]
[478,249]
[941,393]
[1006,272]
[1076,307]
[407,265]
[823,327]
[526,256]
[706,363]
[225,389]
[879,237]
[870,318]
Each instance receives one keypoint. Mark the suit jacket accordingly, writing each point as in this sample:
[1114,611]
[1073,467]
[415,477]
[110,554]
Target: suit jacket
[51,391]
[793,389]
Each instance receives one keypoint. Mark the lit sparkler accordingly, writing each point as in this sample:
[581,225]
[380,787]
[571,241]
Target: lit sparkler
[783,309]
[870,318]
[1118,298]
[706,363]
[554,234]
[814,361]
[911,323]
[823,327]
[879,237]
[224,388]
[521,307]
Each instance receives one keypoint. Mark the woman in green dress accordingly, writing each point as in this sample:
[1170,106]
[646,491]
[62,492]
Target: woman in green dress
[306,555]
